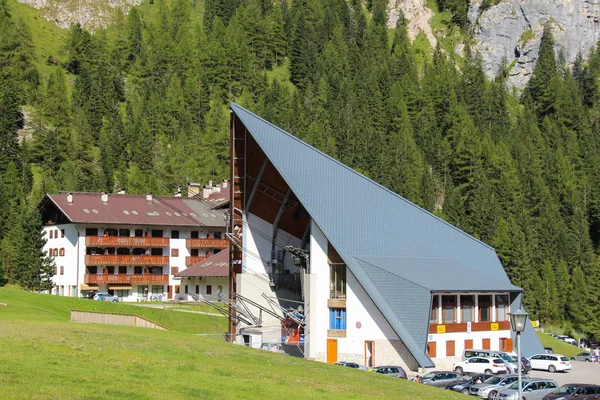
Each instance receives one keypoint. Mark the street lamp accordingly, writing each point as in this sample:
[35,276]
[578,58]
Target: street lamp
[517,324]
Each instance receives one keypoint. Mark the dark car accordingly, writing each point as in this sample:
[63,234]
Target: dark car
[573,391]
[440,378]
[463,383]
[525,364]
[391,370]
[548,350]
[351,365]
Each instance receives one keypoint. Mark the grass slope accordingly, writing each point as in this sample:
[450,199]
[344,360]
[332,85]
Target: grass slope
[43,356]
[559,346]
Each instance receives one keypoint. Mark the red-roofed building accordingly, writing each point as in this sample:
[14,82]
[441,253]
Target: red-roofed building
[211,274]
[132,246]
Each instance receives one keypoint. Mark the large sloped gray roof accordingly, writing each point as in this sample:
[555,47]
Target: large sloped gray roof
[399,252]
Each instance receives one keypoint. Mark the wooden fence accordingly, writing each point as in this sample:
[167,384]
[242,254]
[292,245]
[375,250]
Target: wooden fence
[97,317]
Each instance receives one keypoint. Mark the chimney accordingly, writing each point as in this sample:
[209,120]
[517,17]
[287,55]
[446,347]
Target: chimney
[217,189]
[178,192]
[193,189]
[70,198]
[207,191]
[121,191]
[149,197]
[104,197]
[225,183]
[210,184]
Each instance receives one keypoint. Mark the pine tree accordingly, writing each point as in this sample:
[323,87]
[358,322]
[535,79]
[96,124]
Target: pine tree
[34,268]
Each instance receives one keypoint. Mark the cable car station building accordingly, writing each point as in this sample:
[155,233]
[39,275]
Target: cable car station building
[378,279]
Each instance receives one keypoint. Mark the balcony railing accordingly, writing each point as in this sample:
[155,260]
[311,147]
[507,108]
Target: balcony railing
[126,241]
[125,278]
[206,243]
[103,259]
[475,327]
[189,261]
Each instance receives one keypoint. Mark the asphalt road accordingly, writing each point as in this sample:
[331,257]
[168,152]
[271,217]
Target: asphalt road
[581,372]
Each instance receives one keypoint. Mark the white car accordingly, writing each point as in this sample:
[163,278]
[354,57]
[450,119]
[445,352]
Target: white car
[481,365]
[550,362]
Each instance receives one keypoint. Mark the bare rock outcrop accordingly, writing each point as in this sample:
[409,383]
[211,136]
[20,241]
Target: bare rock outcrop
[512,31]
[89,14]
[416,13]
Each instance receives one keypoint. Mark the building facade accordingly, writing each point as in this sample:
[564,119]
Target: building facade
[382,281]
[130,246]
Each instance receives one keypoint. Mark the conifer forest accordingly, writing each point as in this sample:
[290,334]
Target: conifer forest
[142,104]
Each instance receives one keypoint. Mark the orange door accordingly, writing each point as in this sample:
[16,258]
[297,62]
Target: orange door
[169,292]
[332,352]
[431,349]
[450,348]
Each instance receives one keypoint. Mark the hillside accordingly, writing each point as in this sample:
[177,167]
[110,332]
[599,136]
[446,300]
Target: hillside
[42,355]
[142,105]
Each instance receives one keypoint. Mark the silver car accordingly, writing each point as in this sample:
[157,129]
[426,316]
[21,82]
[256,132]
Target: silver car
[440,378]
[106,297]
[533,389]
[585,356]
[391,370]
[489,388]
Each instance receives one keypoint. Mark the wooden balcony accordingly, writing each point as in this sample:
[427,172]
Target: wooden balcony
[103,259]
[475,327]
[189,261]
[206,243]
[126,278]
[126,241]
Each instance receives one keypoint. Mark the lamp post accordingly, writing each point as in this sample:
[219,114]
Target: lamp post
[517,323]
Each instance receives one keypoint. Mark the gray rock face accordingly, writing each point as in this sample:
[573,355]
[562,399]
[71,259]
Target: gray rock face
[512,30]
[88,13]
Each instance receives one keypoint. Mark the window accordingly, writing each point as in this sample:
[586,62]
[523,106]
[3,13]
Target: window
[208,289]
[502,307]
[485,307]
[186,288]
[337,318]
[62,252]
[219,289]
[174,234]
[177,289]
[124,232]
[448,309]
[217,235]
[62,270]
[338,281]
[197,289]
[467,305]
[56,235]
[123,269]
[55,270]
[194,252]
[434,309]
[62,233]
[91,231]
[137,270]
[55,252]
[174,252]
[174,270]
[139,232]
[157,233]
[194,234]
[51,234]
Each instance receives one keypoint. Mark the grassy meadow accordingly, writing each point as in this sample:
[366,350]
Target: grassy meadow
[44,356]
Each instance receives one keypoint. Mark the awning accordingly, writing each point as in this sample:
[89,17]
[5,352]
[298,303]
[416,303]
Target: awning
[85,286]
[120,287]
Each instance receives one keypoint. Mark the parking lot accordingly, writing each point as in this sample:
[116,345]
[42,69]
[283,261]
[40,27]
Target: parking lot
[582,372]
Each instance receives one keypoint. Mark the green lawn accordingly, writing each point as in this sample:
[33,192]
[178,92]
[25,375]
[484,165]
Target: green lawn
[44,356]
[559,346]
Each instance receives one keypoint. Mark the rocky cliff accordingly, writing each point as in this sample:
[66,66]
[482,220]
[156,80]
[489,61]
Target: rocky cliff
[90,14]
[512,30]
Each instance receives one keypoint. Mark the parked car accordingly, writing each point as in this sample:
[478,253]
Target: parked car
[440,378]
[525,363]
[533,389]
[550,362]
[570,340]
[574,391]
[489,388]
[511,362]
[481,365]
[463,383]
[585,356]
[391,370]
[106,297]
[548,350]
[351,365]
